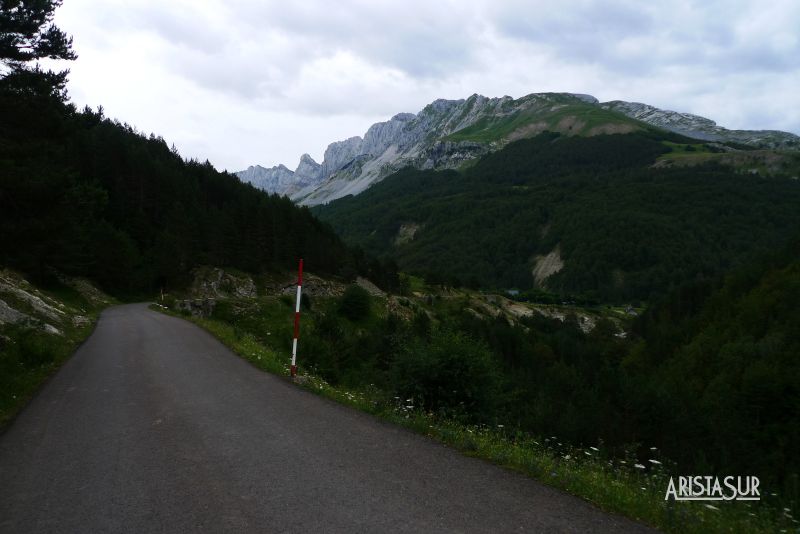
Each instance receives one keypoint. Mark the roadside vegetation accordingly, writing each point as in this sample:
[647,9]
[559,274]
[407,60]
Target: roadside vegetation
[591,399]
[39,330]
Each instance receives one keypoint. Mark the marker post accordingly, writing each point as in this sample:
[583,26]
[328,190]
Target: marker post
[297,318]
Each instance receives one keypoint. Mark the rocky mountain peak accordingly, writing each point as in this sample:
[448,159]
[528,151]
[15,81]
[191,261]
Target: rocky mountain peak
[308,170]
[447,133]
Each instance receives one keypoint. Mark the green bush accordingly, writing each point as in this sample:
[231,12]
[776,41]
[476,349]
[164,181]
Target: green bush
[450,373]
[355,303]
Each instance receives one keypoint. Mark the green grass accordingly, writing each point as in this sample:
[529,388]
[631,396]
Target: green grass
[497,128]
[613,484]
[679,150]
[415,283]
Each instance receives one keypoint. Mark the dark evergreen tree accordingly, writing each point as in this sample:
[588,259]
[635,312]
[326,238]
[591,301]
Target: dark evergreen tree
[27,34]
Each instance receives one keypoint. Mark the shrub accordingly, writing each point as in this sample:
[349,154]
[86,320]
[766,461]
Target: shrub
[451,373]
[355,303]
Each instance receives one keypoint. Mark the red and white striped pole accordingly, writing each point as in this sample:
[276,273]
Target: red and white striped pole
[297,319]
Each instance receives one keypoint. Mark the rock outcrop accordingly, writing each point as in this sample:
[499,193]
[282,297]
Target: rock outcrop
[21,303]
[702,128]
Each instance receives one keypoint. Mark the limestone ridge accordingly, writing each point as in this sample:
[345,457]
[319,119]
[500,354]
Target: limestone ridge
[702,128]
[448,133]
[418,140]
[280,179]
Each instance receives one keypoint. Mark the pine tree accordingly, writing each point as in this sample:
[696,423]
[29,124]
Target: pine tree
[27,34]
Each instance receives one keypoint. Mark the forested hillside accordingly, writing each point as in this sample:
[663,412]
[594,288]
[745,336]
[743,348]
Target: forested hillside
[623,229]
[88,196]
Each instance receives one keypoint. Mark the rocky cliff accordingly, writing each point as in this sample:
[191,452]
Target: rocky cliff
[280,179]
[448,133]
[702,128]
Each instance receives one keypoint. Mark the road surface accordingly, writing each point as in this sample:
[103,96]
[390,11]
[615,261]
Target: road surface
[155,426]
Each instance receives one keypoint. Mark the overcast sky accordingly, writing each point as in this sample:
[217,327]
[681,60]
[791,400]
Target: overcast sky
[243,82]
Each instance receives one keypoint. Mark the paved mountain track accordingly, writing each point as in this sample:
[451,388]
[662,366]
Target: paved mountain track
[154,426]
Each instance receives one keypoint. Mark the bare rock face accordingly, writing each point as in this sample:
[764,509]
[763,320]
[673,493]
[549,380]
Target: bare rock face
[38,304]
[308,171]
[9,315]
[425,140]
[370,288]
[273,180]
[23,304]
[702,128]
[546,266]
[313,286]
[212,282]
[338,154]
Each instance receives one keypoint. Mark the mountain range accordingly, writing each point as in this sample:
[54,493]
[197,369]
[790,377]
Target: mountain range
[450,134]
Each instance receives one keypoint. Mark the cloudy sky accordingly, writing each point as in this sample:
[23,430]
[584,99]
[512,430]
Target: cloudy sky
[242,82]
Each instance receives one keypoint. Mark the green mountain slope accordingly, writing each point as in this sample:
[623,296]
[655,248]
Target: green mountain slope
[558,112]
[589,215]
[719,364]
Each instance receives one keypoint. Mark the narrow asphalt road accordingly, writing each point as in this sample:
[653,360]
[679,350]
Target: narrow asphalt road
[154,426]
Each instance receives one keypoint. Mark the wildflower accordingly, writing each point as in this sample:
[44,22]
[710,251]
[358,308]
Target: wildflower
[711,507]
[638,466]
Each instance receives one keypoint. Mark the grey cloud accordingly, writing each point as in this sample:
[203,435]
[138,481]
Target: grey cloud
[315,63]
[423,39]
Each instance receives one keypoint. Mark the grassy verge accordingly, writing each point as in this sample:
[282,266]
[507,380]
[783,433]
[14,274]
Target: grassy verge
[629,486]
[29,355]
